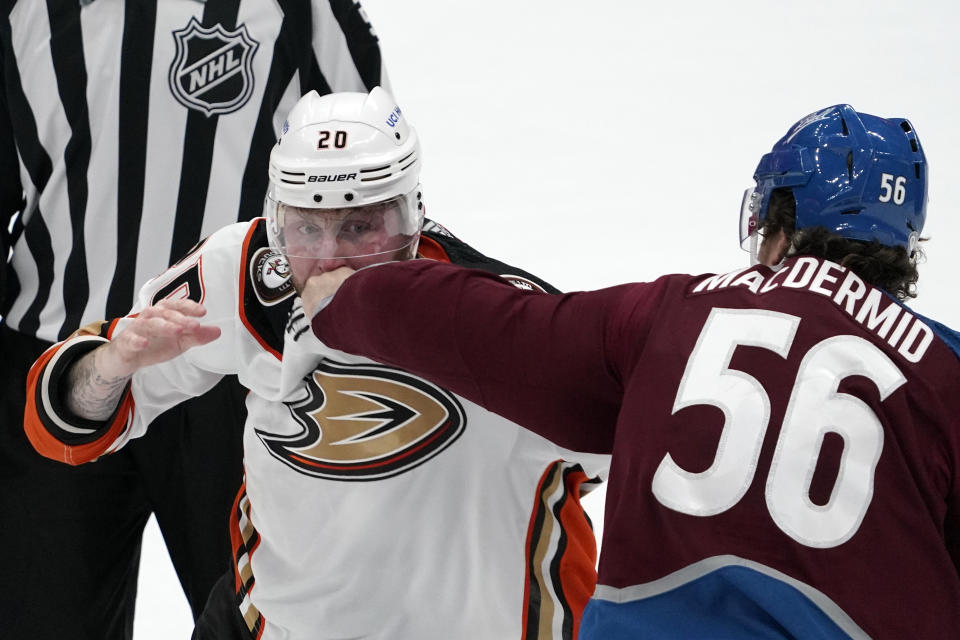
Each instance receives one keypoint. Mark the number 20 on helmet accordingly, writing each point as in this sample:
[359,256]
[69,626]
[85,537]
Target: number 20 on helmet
[344,179]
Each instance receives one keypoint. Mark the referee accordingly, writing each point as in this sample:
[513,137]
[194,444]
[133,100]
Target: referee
[128,132]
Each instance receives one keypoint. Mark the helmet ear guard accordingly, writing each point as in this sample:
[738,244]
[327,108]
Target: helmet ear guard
[860,176]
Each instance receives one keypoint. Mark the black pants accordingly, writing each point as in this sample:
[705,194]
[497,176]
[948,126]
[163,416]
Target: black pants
[70,536]
[221,619]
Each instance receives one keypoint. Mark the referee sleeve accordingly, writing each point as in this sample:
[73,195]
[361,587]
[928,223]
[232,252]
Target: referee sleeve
[11,191]
[346,49]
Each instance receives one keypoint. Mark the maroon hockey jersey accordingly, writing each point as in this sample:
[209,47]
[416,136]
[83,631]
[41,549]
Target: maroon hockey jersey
[785,443]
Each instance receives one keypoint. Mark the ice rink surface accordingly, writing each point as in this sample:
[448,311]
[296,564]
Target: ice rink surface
[607,142]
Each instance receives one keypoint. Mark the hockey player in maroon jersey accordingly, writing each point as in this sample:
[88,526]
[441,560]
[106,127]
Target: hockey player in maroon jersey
[375,505]
[785,437]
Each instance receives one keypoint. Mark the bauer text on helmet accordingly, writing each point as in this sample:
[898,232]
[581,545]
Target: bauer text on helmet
[344,182]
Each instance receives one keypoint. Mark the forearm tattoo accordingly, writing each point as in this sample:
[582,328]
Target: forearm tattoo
[90,395]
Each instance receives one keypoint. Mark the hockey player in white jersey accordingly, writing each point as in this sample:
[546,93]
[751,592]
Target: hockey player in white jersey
[375,504]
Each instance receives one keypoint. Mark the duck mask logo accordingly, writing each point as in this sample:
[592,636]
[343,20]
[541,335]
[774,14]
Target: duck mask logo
[364,422]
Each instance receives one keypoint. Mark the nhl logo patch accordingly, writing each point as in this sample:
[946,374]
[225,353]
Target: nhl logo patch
[270,275]
[212,71]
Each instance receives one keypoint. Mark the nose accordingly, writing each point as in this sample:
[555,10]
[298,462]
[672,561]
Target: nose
[326,249]
[324,265]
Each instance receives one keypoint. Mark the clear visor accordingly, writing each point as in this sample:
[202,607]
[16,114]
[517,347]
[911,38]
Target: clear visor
[370,230]
[749,217]
[750,223]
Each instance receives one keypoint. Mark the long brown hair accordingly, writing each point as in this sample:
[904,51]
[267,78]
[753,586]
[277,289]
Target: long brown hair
[890,268]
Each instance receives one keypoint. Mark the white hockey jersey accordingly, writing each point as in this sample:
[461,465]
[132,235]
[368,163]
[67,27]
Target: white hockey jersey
[375,504]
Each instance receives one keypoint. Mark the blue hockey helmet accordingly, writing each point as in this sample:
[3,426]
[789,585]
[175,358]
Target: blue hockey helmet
[860,176]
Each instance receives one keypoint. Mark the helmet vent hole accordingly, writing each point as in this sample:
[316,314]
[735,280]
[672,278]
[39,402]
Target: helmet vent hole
[397,134]
[916,169]
[317,197]
[850,212]
[404,159]
[850,164]
[843,123]
[914,145]
[348,197]
[905,126]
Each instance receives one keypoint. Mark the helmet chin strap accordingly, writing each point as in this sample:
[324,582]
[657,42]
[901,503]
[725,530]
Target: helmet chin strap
[754,249]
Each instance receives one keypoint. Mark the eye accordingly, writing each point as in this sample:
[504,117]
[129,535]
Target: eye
[355,227]
[307,229]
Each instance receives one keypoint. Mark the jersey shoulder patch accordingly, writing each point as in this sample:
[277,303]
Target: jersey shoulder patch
[266,289]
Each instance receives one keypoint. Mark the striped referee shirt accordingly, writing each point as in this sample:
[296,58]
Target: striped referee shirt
[132,129]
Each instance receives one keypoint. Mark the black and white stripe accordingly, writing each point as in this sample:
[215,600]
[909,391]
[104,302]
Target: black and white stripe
[120,177]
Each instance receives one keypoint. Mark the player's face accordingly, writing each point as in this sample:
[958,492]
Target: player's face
[320,240]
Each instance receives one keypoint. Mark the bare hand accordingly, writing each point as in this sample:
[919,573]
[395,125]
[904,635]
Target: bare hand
[322,286]
[159,333]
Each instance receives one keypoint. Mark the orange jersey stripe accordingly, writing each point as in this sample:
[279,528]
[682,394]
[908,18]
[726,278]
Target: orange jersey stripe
[579,560]
[431,249]
[49,446]
[573,577]
[244,540]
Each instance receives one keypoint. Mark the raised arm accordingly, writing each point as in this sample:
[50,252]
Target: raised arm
[93,392]
[161,332]
[552,363]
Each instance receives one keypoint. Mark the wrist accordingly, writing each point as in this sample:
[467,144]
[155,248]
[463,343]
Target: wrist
[109,366]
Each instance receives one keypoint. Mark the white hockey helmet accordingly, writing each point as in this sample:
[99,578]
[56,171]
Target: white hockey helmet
[346,167]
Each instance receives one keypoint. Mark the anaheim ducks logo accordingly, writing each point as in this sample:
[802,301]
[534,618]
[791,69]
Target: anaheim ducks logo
[366,422]
[270,275]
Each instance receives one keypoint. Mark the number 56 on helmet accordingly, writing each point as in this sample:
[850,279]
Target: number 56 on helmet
[860,176]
